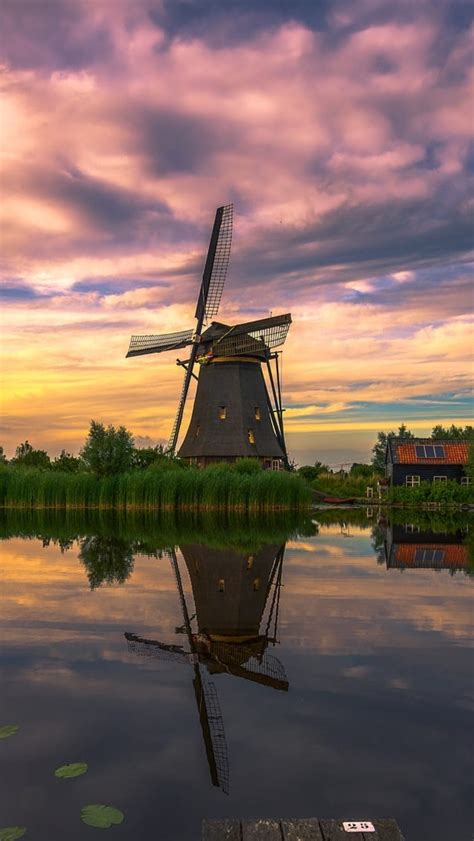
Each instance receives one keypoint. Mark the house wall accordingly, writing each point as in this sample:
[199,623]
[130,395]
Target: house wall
[426,472]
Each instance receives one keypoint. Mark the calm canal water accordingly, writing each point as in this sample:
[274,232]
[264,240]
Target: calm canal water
[236,669]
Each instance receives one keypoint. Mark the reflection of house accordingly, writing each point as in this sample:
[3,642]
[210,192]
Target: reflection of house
[409,461]
[409,547]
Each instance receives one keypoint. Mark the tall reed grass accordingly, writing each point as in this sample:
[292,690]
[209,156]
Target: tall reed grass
[217,488]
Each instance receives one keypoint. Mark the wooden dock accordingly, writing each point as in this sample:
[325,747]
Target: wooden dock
[308,829]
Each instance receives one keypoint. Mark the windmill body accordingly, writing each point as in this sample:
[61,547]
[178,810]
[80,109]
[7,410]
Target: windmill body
[235,413]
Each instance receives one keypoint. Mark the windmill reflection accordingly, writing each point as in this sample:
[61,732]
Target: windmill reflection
[236,602]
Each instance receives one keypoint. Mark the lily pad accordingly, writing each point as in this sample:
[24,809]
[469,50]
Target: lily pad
[6,731]
[74,769]
[11,833]
[101,816]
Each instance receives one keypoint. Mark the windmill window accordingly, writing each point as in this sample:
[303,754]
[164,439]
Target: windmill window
[221,586]
[440,479]
[410,481]
[222,412]
[198,429]
[251,436]
[258,416]
[250,562]
[256,584]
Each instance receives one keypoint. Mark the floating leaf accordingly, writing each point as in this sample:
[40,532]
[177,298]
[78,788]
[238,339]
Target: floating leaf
[101,816]
[9,730]
[74,769]
[11,833]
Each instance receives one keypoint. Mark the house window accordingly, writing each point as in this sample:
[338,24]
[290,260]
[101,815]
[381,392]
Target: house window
[267,464]
[440,479]
[410,481]
[256,584]
[465,480]
[410,528]
[429,451]
[222,412]
[257,413]
[198,429]
[251,436]
[221,585]
[276,464]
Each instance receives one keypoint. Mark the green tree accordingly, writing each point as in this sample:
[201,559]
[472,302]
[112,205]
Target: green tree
[380,446]
[108,451]
[452,433]
[27,456]
[144,457]
[3,458]
[470,463]
[66,462]
[311,472]
[365,471]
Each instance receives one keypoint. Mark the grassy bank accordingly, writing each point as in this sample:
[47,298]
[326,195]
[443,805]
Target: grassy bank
[220,488]
[445,493]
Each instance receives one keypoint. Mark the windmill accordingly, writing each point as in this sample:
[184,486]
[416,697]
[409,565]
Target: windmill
[234,414]
[227,638]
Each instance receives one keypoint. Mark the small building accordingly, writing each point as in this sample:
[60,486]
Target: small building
[409,461]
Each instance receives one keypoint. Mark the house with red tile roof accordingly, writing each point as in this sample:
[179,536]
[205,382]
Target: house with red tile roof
[409,461]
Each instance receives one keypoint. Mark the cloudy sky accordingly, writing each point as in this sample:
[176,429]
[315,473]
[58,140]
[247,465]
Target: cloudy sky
[342,133]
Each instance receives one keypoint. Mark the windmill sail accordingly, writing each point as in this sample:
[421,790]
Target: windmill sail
[244,662]
[171,445]
[212,726]
[140,345]
[217,261]
[253,336]
[157,650]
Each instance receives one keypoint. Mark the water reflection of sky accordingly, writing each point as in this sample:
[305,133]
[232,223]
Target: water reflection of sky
[376,721]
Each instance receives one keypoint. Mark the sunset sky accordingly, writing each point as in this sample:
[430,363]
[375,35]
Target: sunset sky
[342,133]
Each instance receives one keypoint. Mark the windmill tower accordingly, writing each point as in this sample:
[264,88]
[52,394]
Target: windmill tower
[229,613]
[235,413]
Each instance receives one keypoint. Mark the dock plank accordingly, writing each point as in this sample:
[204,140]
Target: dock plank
[298,829]
[261,830]
[222,830]
[303,829]
[386,829]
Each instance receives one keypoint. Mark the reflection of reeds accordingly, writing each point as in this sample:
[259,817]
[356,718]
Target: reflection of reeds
[218,487]
[151,532]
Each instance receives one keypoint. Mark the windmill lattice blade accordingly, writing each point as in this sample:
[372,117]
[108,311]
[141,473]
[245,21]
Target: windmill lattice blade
[157,650]
[171,440]
[217,262]
[214,720]
[243,661]
[254,336]
[140,345]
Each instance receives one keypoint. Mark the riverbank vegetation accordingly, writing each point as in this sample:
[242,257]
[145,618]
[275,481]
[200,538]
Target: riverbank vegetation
[110,472]
[161,486]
